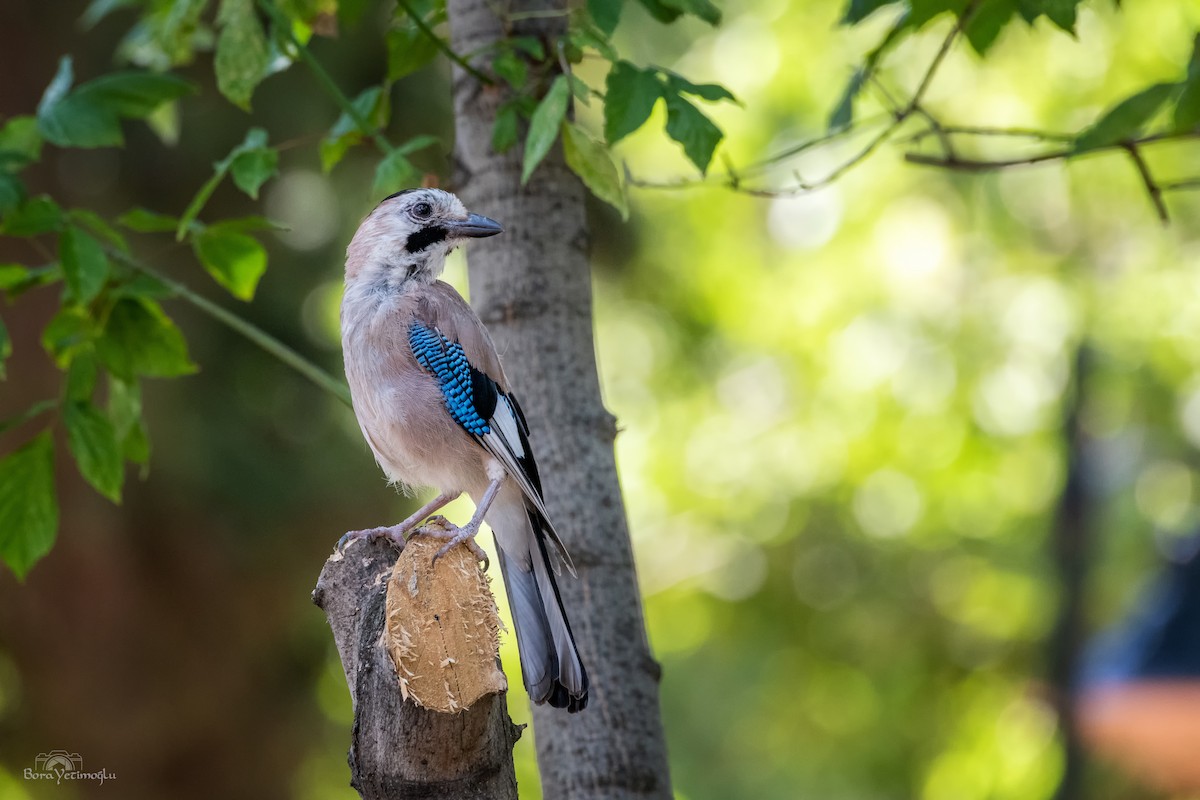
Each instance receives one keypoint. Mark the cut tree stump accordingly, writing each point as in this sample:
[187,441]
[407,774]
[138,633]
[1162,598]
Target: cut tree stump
[418,643]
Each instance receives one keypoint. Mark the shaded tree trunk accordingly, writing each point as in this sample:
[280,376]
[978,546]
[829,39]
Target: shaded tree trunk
[533,290]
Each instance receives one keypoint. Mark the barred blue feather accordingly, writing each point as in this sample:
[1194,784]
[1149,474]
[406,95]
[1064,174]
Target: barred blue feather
[446,361]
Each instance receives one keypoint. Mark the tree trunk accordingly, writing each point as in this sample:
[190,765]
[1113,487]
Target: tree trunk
[532,288]
[399,750]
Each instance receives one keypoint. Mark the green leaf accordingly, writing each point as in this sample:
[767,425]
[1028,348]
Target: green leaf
[1061,12]
[544,124]
[134,94]
[242,54]
[5,349]
[530,46]
[13,275]
[234,259]
[373,105]
[125,412]
[68,333]
[661,11]
[143,221]
[409,49]
[512,68]
[253,168]
[687,125]
[1126,119]
[1187,109]
[98,227]
[85,267]
[985,25]
[593,163]
[708,91]
[922,11]
[81,377]
[12,192]
[631,95]
[35,216]
[858,10]
[843,112]
[139,339]
[89,116]
[504,129]
[704,9]
[28,506]
[393,173]
[93,443]
[255,141]
[588,35]
[606,14]
[20,136]
[99,9]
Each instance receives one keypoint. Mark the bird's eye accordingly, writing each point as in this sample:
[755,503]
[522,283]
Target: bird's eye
[422,210]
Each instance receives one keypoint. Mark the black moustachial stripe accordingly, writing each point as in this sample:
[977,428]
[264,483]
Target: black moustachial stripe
[431,234]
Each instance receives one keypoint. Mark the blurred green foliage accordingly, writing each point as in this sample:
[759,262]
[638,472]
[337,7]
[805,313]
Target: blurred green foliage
[841,411]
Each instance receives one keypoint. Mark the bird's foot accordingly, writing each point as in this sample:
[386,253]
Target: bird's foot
[394,534]
[442,529]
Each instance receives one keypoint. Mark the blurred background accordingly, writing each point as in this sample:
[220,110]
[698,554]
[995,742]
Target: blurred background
[893,452]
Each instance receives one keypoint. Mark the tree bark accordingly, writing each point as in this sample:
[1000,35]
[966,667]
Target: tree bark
[532,288]
[399,750]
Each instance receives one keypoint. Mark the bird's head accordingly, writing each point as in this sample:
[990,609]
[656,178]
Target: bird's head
[408,235]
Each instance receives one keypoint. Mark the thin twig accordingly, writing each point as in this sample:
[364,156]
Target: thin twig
[968,130]
[284,25]
[250,331]
[1152,188]
[442,45]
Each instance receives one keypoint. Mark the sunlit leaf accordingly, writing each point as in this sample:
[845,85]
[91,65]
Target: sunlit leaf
[687,125]
[631,95]
[252,168]
[28,505]
[255,142]
[139,339]
[85,267]
[234,259]
[242,54]
[93,443]
[593,163]
[1126,119]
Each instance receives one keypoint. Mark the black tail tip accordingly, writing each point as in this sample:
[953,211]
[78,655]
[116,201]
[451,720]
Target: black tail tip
[561,697]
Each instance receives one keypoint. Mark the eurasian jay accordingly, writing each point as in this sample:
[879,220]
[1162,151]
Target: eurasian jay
[435,407]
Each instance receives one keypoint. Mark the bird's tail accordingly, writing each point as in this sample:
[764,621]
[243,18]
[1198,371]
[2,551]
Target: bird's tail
[550,661]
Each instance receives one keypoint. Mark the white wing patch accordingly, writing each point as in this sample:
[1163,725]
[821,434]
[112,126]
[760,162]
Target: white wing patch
[505,419]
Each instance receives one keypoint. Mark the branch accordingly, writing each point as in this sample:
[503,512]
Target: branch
[443,46]
[896,117]
[252,332]
[398,748]
[284,25]
[1152,188]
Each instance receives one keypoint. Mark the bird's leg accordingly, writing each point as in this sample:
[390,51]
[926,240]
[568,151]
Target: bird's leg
[397,532]
[467,532]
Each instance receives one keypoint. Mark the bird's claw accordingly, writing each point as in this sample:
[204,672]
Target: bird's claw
[392,534]
[455,537]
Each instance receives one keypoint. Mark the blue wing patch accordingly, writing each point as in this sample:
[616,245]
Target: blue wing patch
[459,381]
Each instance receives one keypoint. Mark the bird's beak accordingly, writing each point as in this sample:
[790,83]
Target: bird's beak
[475,227]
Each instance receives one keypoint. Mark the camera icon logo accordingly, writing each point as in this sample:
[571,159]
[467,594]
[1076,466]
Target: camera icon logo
[58,762]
